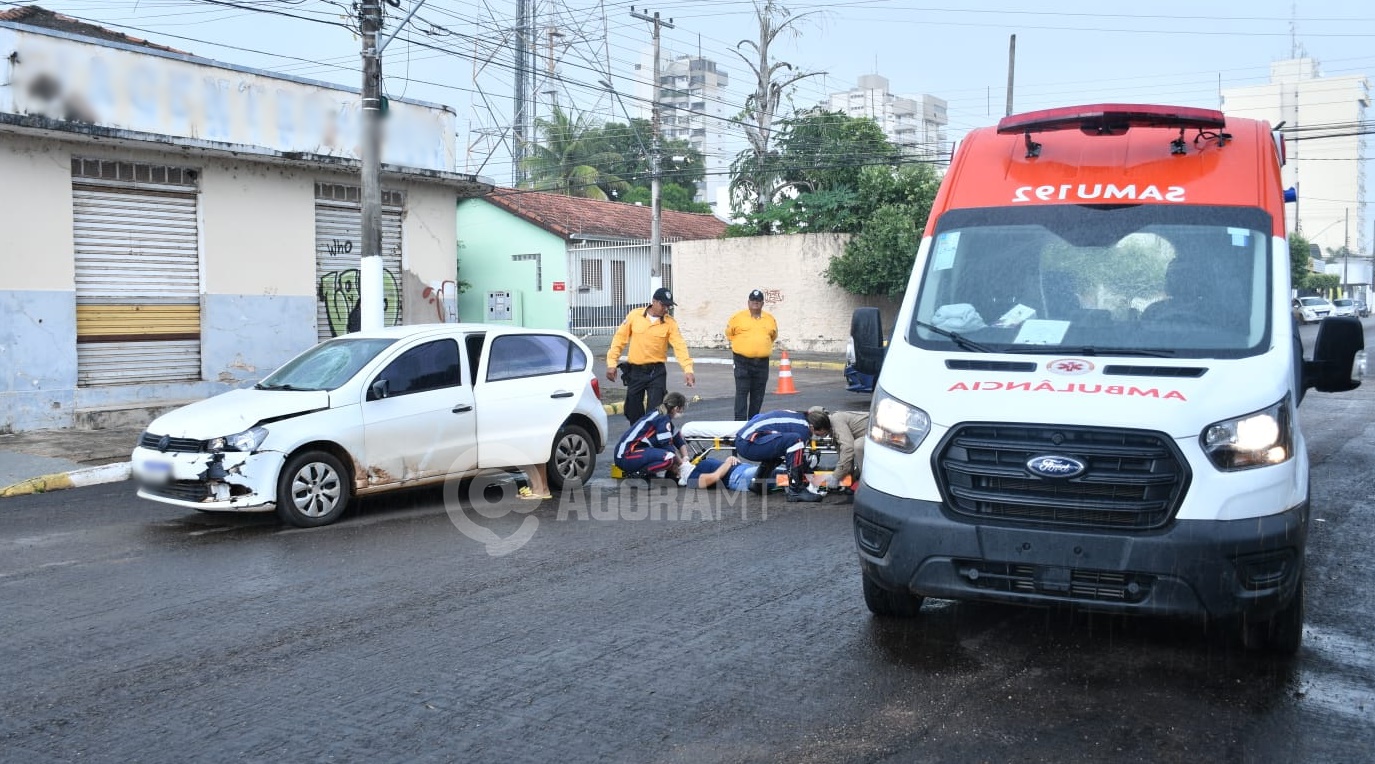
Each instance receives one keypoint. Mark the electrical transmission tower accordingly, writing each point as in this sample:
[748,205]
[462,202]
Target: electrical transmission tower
[525,66]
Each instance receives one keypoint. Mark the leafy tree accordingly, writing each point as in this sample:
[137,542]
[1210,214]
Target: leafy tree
[879,260]
[1298,258]
[678,180]
[671,197]
[1326,283]
[572,159]
[823,150]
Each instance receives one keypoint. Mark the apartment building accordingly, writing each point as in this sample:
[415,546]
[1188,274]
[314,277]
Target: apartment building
[1322,116]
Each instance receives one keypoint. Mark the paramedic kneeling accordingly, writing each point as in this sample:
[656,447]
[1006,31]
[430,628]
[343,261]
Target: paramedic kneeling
[653,444]
[776,436]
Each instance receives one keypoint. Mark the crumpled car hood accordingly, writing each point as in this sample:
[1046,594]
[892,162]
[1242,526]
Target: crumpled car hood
[236,411]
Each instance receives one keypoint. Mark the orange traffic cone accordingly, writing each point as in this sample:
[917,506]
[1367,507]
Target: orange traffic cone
[785,376]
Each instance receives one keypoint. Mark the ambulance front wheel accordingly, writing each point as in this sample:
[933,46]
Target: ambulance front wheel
[888,603]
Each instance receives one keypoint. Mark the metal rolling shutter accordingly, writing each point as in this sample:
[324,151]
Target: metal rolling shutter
[338,247]
[137,273]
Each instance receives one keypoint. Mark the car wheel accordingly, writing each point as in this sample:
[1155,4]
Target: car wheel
[312,490]
[1281,633]
[887,603]
[572,459]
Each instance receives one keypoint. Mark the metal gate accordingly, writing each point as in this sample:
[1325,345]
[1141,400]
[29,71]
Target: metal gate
[338,249]
[611,280]
[137,262]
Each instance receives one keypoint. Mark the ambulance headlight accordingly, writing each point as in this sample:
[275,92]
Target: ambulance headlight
[1254,440]
[896,425]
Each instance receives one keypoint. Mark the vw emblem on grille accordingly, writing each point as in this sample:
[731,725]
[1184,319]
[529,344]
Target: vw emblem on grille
[1054,466]
[164,442]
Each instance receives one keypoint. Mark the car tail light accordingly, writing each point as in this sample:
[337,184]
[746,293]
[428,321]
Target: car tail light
[596,388]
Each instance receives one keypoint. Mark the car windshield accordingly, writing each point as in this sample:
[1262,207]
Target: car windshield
[1313,302]
[327,365]
[1155,280]
[1342,303]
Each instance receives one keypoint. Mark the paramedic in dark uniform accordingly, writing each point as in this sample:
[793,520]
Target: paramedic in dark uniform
[653,444]
[649,333]
[782,436]
[752,333]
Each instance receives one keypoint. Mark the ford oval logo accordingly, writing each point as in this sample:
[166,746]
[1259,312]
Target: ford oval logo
[1052,466]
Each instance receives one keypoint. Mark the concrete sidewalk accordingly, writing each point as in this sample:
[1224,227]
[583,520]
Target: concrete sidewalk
[47,460]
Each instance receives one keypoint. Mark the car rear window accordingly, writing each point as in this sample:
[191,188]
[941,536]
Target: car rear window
[529,355]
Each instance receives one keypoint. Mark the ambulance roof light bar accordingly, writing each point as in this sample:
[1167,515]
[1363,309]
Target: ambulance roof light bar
[1109,119]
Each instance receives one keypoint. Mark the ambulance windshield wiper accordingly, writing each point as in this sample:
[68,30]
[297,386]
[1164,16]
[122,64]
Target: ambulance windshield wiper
[1092,350]
[959,339]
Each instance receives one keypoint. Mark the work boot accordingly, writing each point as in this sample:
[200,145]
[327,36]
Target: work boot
[799,488]
[794,493]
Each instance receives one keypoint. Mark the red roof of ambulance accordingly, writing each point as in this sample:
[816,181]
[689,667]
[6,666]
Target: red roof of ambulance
[1137,167]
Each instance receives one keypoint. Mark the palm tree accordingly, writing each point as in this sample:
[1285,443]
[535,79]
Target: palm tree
[572,158]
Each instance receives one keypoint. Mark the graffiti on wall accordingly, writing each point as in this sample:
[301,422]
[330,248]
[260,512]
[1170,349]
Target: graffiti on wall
[341,293]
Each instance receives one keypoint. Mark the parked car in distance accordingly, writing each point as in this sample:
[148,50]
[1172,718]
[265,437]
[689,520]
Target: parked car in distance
[1343,306]
[1362,309]
[1307,310]
[375,411]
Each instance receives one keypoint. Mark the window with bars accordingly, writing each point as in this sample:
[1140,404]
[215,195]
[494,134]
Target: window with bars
[338,192]
[592,273]
[84,168]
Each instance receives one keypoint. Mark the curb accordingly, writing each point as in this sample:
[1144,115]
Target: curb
[109,473]
[773,363]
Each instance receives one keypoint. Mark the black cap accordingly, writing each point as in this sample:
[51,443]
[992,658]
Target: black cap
[664,296]
[756,295]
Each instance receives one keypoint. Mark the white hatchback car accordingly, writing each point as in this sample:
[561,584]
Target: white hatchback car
[1343,306]
[374,411]
[1310,309]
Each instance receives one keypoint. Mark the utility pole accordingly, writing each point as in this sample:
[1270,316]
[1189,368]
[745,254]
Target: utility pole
[370,266]
[655,213]
[1011,67]
[522,59]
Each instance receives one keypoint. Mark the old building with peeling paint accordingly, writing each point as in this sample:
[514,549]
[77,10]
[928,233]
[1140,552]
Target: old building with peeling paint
[174,227]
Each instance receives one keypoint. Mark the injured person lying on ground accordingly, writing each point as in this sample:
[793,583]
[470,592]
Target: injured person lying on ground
[804,456]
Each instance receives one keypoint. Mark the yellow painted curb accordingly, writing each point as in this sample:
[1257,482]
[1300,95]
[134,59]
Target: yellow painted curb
[40,484]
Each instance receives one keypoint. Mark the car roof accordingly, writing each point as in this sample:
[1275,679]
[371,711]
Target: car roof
[420,330]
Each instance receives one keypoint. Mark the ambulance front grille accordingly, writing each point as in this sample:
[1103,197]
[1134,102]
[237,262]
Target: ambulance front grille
[1134,479]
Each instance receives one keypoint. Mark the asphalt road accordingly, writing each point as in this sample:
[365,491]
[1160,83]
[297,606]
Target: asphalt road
[661,626]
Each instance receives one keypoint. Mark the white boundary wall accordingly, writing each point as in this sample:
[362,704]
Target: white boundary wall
[712,279]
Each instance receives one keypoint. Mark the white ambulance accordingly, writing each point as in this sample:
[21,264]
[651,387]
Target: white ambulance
[1089,398]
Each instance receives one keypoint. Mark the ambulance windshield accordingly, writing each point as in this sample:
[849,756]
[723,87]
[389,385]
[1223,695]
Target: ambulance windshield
[1185,281]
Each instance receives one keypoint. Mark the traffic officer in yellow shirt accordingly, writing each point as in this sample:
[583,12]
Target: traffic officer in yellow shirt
[752,333]
[649,333]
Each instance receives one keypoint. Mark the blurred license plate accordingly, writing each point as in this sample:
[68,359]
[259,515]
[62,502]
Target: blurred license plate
[157,472]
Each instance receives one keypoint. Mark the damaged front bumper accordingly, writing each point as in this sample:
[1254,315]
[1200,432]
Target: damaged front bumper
[231,481]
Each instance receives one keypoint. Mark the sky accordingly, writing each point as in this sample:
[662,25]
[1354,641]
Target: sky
[1067,52]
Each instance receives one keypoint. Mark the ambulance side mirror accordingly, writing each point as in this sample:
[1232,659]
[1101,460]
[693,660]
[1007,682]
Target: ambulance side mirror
[1338,356]
[866,332]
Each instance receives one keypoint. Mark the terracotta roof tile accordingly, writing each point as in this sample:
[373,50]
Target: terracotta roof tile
[569,216]
[35,16]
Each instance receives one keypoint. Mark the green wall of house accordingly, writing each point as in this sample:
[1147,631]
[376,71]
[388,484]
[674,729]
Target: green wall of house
[495,250]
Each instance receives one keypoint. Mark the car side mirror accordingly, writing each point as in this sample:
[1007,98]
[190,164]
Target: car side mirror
[866,332]
[379,389]
[1338,356]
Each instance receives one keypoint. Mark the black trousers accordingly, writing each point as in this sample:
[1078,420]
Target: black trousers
[751,377]
[646,385]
